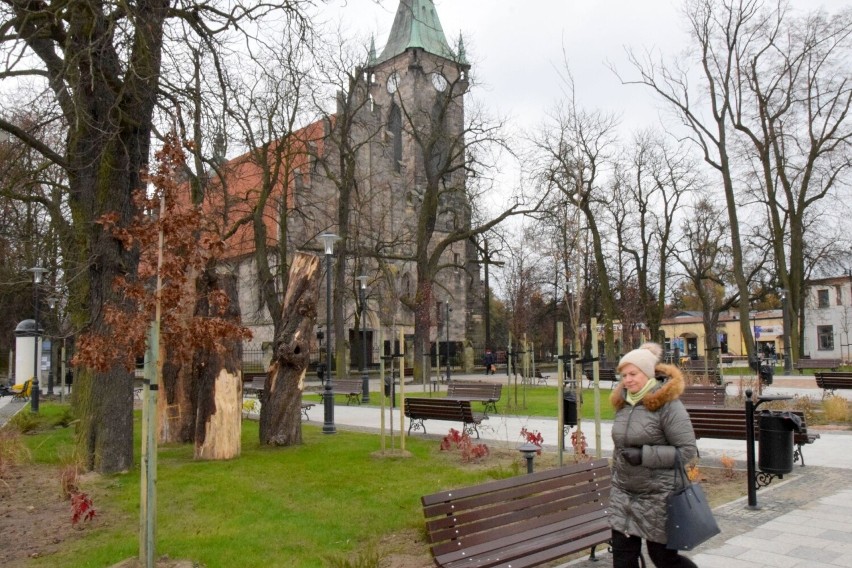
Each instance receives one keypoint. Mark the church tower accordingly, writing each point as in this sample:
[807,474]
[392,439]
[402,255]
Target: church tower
[417,86]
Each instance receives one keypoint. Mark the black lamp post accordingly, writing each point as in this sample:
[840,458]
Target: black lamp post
[365,380]
[328,240]
[38,272]
[447,325]
[51,303]
[785,330]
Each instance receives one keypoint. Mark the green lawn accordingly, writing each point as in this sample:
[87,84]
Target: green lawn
[529,401]
[300,506]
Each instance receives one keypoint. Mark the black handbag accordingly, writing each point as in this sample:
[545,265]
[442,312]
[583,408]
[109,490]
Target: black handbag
[689,519]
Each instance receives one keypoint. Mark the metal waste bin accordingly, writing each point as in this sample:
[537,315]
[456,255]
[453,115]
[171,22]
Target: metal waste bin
[569,408]
[776,441]
[390,390]
[766,372]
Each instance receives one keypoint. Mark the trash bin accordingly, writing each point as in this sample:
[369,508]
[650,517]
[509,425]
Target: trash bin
[766,372]
[390,390]
[776,441]
[569,408]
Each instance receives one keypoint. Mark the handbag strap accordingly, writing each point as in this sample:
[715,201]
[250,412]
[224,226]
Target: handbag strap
[680,471]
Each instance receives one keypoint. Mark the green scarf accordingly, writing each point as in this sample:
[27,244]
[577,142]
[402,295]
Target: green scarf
[632,399]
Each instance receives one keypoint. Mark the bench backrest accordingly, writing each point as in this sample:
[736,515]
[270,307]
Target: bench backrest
[475,390]
[726,423]
[572,500]
[347,385]
[700,395]
[439,409]
[607,374]
[818,363]
[833,379]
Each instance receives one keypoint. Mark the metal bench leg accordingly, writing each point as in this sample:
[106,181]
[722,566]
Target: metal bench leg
[470,427]
[798,455]
[417,424]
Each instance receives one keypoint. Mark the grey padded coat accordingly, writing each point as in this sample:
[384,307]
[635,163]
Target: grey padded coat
[660,426]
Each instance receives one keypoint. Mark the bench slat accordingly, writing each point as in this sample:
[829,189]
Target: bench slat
[548,542]
[420,409]
[729,424]
[832,381]
[521,521]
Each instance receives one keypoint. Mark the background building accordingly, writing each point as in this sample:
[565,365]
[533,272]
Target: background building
[828,318]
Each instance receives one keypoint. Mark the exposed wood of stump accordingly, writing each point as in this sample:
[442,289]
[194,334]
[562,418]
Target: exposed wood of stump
[219,402]
[280,413]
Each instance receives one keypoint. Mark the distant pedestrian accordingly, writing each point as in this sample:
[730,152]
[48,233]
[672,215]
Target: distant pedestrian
[490,368]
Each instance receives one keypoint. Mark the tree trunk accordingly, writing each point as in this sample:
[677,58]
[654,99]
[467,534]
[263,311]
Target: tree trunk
[280,412]
[175,415]
[219,400]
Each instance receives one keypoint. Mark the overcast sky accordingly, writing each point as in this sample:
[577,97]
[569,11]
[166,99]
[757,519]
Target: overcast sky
[516,47]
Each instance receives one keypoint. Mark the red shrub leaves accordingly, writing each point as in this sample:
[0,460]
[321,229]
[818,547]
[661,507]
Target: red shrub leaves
[81,508]
[533,437]
[461,441]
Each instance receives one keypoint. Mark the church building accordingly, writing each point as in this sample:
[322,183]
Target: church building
[387,172]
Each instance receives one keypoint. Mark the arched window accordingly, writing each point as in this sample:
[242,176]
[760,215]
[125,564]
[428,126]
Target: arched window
[405,285]
[395,130]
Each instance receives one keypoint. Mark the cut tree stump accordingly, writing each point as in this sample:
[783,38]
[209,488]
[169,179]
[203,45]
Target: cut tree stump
[280,411]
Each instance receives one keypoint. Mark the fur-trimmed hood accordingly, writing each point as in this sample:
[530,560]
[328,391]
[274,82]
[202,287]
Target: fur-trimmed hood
[670,388]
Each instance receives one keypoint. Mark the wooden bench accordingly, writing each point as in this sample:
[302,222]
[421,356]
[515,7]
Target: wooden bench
[700,395]
[350,388]
[420,409]
[521,521]
[540,379]
[486,393]
[804,363]
[610,375]
[711,373]
[730,424]
[830,381]
[22,392]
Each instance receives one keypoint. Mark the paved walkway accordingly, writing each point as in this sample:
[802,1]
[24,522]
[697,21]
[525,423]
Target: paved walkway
[802,521]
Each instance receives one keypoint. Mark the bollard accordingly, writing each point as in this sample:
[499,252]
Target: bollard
[529,451]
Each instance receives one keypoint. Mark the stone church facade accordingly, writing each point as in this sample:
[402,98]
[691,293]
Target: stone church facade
[406,134]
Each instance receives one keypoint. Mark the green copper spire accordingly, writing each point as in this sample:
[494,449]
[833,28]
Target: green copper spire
[416,25]
[462,54]
[371,57]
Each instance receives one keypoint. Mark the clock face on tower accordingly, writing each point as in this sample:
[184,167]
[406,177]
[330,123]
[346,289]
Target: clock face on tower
[393,82]
[439,82]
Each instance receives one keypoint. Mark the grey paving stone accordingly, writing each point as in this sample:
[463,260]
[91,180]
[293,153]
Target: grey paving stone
[815,554]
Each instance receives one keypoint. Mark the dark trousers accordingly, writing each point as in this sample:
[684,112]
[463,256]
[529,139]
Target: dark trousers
[627,549]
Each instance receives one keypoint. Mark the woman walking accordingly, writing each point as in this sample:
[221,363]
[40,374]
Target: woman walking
[650,431]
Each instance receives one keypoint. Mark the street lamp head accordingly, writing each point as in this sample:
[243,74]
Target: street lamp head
[38,272]
[363,280]
[328,240]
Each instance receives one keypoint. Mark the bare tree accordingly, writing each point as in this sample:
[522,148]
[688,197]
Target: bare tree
[792,100]
[575,148]
[101,65]
[655,178]
[718,29]
[705,259]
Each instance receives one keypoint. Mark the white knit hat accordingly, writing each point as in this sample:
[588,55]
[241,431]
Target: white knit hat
[645,358]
